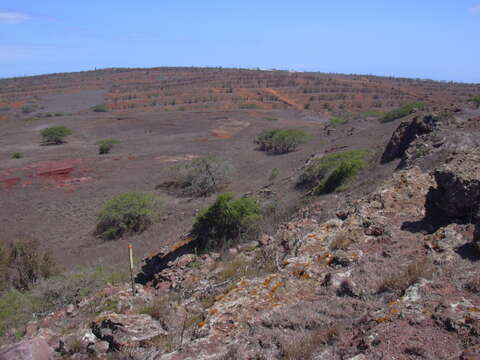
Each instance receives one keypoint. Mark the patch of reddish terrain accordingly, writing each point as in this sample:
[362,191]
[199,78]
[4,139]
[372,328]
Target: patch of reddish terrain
[63,174]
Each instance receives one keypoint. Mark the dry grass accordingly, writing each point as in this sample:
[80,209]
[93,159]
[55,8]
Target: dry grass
[400,281]
[304,344]
[342,241]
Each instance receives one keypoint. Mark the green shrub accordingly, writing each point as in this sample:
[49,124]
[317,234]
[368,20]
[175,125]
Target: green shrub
[106,145]
[339,120]
[274,174]
[248,106]
[202,176]
[475,100]
[17,155]
[55,134]
[16,309]
[27,109]
[226,220]
[130,212]
[100,108]
[280,141]
[332,172]
[401,112]
[373,113]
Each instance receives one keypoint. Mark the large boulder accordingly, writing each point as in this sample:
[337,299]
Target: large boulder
[457,194]
[406,133]
[121,330]
[32,349]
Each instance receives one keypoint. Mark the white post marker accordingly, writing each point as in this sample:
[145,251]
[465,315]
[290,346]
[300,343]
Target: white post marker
[130,251]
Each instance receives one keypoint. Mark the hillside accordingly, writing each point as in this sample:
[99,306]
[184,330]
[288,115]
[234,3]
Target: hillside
[381,264]
[165,115]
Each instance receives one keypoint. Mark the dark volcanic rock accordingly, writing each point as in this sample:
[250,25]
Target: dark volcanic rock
[406,133]
[458,187]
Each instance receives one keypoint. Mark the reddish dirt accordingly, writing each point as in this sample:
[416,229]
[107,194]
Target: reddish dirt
[166,115]
[284,99]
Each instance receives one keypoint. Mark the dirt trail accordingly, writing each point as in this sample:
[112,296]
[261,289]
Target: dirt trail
[284,99]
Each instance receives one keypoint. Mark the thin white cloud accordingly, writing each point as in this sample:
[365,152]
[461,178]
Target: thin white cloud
[475,10]
[12,17]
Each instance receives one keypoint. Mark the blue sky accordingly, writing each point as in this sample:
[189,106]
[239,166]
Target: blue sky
[438,39]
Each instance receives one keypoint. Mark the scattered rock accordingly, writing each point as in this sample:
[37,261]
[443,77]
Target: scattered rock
[123,330]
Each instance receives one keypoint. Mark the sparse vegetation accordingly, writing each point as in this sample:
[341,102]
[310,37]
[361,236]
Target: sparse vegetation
[225,220]
[302,344]
[274,174]
[55,134]
[100,108]
[248,106]
[476,101]
[17,307]
[332,172]
[202,176]
[400,281]
[280,141]
[401,112]
[106,145]
[17,155]
[130,212]
[373,113]
[23,262]
[339,120]
[27,109]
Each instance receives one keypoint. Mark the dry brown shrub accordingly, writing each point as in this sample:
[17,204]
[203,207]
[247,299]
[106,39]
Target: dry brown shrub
[342,241]
[23,262]
[400,281]
[304,344]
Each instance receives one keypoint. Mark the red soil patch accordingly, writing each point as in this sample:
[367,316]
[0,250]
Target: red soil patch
[58,174]
[7,183]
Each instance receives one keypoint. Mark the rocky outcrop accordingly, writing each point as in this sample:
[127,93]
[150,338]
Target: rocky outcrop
[406,133]
[32,349]
[428,139]
[126,330]
[457,193]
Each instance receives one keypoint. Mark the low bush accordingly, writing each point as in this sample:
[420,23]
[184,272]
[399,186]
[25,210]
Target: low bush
[99,108]
[17,308]
[274,174]
[373,113]
[23,262]
[202,176]
[130,212]
[475,100]
[27,109]
[106,145]
[339,120]
[332,172]
[401,112]
[55,134]
[17,155]
[248,106]
[227,219]
[280,141]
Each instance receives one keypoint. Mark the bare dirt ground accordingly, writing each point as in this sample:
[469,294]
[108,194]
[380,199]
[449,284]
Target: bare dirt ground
[55,192]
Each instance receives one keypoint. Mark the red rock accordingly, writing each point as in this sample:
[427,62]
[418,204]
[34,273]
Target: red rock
[33,349]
